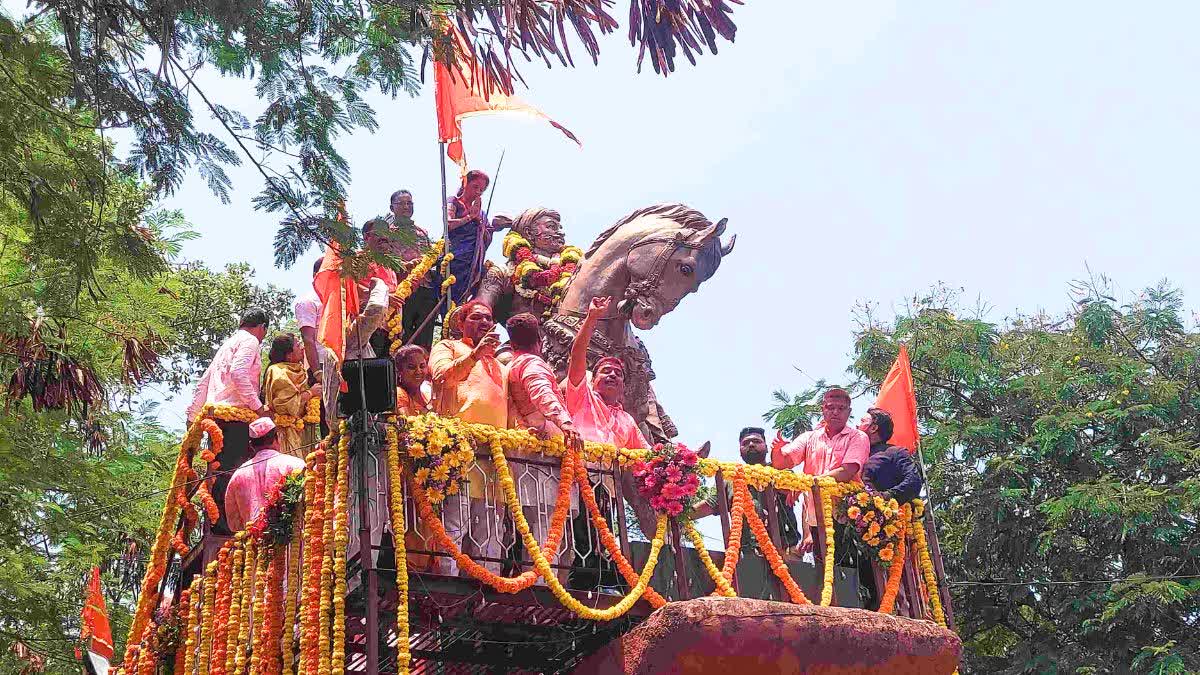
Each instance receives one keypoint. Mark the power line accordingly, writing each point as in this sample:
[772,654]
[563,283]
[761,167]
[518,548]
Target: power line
[1078,582]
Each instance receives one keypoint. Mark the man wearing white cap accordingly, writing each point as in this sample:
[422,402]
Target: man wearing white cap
[248,488]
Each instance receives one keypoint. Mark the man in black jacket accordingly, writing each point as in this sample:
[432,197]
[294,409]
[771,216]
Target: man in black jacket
[890,469]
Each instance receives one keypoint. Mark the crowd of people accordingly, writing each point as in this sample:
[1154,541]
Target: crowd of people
[471,375]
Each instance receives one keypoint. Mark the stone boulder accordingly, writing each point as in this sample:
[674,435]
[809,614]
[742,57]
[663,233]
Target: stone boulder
[739,636]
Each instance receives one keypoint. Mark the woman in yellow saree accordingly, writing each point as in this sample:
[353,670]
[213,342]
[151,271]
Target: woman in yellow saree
[290,398]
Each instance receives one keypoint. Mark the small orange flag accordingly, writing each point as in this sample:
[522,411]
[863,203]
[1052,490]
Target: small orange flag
[897,397]
[460,94]
[94,620]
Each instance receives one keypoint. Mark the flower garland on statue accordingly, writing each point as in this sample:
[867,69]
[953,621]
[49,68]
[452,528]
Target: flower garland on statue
[537,277]
[668,478]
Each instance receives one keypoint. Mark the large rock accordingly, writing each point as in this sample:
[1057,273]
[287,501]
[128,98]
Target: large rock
[738,636]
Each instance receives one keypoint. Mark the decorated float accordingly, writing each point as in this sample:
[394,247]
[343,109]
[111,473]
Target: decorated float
[347,568]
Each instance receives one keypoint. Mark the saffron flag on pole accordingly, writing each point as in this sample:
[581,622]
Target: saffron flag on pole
[340,296]
[460,93]
[896,396]
[95,630]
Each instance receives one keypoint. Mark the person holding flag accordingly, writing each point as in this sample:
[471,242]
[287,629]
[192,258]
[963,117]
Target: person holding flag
[470,234]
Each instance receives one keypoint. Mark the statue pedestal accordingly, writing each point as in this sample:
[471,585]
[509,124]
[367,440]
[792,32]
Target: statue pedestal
[737,635]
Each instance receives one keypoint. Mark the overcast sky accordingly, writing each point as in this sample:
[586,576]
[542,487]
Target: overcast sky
[861,151]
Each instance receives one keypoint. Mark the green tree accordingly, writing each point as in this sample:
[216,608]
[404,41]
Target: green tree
[1063,455]
[132,65]
[97,312]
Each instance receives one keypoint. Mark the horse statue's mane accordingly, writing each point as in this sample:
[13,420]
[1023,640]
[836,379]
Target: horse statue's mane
[687,217]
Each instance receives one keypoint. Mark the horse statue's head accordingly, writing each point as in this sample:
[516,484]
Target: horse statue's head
[649,261]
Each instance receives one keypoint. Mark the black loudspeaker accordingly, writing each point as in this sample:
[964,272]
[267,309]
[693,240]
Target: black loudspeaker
[378,377]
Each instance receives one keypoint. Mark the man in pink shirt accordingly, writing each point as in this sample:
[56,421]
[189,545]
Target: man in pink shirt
[594,404]
[250,484]
[233,379]
[536,404]
[833,449]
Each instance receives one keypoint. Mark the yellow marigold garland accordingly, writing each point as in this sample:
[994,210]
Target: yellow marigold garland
[185,613]
[289,422]
[312,411]
[827,488]
[935,599]
[231,413]
[778,566]
[543,565]
[396,485]
[723,587]
[210,612]
[245,620]
[233,621]
[313,549]
[326,606]
[288,639]
[337,662]
[262,560]
[191,639]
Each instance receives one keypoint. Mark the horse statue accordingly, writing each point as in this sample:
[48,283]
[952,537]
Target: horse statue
[648,262]
[539,266]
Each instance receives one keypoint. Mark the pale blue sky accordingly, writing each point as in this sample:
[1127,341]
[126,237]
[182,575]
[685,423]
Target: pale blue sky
[861,151]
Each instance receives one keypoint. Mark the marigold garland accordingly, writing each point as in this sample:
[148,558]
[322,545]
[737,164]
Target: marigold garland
[896,570]
[538,277]
[262,560]
[224,598]
[288,638]
[312,411]
[326,585]
[184,608]
[606,536]
[723,587]
[147,662]
[396,490]
[778,566]
[543,567]
[737,516]
[312,548]
[337,661]
[210,613]
[515,584]
[234,620]
[827,488]
[935,599]
[245,620]
[196,594]
[231,413]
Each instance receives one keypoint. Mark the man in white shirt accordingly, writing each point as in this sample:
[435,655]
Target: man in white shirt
[232,379]
[308,315]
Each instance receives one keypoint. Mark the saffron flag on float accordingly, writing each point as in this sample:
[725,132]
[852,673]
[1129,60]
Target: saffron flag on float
[340,296]
[459,93]
[95,631]
[896,395]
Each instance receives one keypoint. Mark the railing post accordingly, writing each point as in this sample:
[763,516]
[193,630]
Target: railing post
[723,511]
[680,576]
[619,499]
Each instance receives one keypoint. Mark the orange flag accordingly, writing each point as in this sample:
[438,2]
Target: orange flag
[94,623]
[896,396]
[460,94]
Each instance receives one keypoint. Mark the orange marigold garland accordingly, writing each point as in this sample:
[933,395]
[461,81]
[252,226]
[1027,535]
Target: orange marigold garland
[259,611]
[185,612]
[270,622]
[157,565]
[292,586]
[778,566]
[606,536]
[191,628]
[737,517]
[245,623]
[896,570]
[224,598]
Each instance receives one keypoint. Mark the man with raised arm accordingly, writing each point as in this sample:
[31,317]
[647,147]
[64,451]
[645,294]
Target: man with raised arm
[595,404]
[470,384]
[232,379]
[834,449]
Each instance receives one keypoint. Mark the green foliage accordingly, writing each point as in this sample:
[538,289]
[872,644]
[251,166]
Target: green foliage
[130,64]
[1063,455]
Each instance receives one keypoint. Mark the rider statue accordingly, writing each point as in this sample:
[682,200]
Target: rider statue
[539,266]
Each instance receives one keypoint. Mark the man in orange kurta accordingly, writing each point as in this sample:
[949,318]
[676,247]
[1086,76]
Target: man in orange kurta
[470,384]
